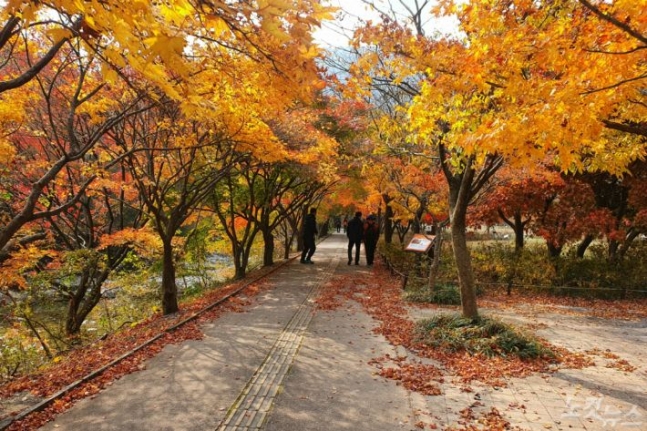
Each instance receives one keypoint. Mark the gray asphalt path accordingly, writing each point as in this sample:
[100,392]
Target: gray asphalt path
[281,366]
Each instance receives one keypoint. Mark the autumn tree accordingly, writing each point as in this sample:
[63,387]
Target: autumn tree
[174,163]
[398,59]
[69,113]
[307,175]
[516,197]
[161,58]
[500,92]
[113,30]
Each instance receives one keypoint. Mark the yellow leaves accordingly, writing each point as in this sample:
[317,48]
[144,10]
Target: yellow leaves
[58,34]
[7,152]
[170,49]
[144,240]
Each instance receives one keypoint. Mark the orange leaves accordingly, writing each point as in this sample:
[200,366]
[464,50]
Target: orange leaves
[144,240]
[414,376]
[22,262]
[380,296]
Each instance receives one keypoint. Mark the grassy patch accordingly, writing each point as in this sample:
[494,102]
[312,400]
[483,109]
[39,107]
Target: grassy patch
[486,336]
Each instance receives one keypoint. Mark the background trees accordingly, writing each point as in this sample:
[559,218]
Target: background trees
[523,83]
[119,121]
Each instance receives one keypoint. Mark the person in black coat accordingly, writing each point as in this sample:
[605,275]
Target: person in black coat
[354,232]
[371,235]
[309,234]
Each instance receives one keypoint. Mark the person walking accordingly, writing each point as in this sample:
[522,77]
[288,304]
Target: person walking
[354,232]
[371,235]
[309,233]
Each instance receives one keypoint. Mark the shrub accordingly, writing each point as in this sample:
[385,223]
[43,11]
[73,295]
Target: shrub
[19,354]
[442,295]
[486,336]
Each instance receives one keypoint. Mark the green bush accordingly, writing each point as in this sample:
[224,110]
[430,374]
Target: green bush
[500,263]
[442,295]
[595,276]
[486,336]
[19,354]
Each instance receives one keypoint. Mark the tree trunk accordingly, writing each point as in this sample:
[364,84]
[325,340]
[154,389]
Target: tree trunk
[417,222]
[288,237]
[518,232]
[169,288]
[553,250]
[237,254]
[437,248]
[517,225]
[464,265]
[584,245]
[631,236]
[268,249]
[87,296]
[459,198]
[388,220]
[613,250]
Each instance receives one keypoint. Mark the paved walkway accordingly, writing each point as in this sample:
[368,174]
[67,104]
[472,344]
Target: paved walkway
[279,366]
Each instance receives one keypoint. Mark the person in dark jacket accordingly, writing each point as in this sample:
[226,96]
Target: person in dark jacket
[371,235]
[354,232]
[309,234]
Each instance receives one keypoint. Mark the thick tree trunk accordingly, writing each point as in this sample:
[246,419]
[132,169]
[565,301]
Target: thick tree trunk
[239,268]
[518,232]
[268,249]
[169,287]
[459,199]
[464,267]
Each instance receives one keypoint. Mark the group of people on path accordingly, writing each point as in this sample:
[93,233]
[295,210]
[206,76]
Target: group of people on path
[366,231]
[357,231]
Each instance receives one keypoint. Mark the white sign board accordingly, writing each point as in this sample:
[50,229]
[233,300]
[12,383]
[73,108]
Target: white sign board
[420,243]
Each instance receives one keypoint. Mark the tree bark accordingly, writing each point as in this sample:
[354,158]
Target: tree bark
[87,295]
[584,245]
[388,219]
[463,265]
[169,287]
[553,250]
[459,197]
[268,249]
[435,264]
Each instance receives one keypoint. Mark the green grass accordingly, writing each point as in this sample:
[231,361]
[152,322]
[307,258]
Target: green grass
[442,294]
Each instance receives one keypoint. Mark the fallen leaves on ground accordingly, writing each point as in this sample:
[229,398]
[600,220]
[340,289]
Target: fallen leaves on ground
[415,376]
[381,297]
[484,421]
[628,310]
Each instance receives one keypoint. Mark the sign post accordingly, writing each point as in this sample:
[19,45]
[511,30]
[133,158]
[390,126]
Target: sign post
[420,243]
